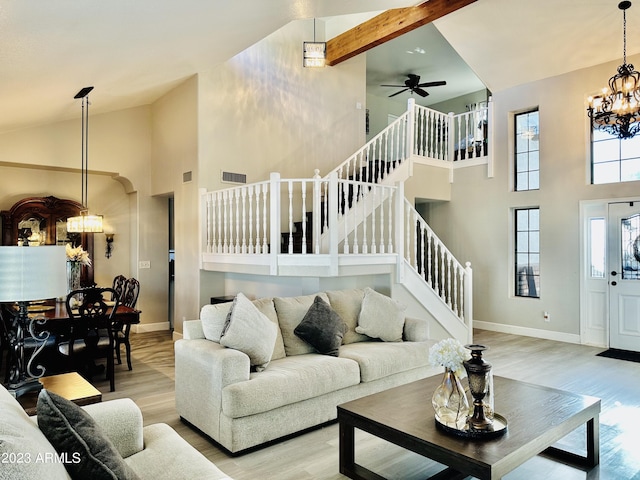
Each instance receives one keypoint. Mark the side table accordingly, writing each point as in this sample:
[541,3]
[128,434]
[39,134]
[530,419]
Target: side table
[68,385]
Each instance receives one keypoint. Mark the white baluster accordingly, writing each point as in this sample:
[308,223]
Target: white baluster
[243,194]
[456,275]
[449,287]
[225,222]
[429,258]
[236,200]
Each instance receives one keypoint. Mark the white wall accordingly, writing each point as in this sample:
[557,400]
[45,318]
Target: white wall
[476,224]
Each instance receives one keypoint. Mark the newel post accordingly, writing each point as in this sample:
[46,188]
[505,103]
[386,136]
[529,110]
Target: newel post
[274,221]
[317,210]
[468,300]
[203,221]
[451,133]
[398,226]
[411,125]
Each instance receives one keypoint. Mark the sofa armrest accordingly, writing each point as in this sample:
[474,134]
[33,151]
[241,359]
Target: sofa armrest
[416,329]
[121,420]
[192,329]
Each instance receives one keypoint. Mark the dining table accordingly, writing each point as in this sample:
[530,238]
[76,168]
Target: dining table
[49,322]
[55,314]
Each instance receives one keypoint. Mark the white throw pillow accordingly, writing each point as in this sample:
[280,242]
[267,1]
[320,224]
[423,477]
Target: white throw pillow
[213,318]
[249,331]
[381,317]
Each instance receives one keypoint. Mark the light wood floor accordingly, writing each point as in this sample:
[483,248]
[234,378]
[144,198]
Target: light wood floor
[314,455]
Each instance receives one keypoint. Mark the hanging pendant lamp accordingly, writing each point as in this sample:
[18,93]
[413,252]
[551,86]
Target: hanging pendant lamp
[85,223]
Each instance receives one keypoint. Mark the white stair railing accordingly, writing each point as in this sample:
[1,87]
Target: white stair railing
[450,137]
[428,256]
[380,155]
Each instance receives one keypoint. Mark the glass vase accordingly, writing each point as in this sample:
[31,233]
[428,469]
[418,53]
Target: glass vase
[450,402]
[73,275]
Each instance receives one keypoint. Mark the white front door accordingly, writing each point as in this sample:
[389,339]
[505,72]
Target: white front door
[623,239]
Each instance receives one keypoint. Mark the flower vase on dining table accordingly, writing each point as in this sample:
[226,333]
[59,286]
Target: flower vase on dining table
[74,270]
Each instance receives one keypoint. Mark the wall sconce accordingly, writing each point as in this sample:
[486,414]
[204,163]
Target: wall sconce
[109,249]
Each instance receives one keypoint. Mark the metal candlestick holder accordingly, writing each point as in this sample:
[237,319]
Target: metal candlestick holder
[478,372]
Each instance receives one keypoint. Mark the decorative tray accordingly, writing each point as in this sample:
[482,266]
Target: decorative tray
[499,429]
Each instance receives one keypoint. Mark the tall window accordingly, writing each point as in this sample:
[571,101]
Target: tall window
[527,151]
[527,252]
[614,160]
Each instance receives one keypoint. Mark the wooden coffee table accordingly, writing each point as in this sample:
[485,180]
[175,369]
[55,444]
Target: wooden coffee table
[537,418]
[68,385]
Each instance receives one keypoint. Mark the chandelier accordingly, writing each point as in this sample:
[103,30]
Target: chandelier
[85,222]
[617,109]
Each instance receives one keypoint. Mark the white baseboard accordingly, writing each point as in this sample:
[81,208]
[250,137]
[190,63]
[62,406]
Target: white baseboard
[150,327]
[527,332]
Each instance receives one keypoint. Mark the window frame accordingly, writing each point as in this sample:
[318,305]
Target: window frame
[530,233]
[516,152]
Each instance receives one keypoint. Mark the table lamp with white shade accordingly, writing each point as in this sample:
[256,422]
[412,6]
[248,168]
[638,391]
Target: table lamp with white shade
[27,274]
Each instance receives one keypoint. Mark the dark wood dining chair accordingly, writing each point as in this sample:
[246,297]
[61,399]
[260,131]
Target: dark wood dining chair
[119,282]
[91,334]
[121,330]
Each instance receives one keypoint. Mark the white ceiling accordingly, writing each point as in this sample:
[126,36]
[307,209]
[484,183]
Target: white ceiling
[134,51]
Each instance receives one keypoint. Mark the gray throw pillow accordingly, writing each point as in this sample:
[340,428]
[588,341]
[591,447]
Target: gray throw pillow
[322,328]
[250,331]
[85,449]
[381,317]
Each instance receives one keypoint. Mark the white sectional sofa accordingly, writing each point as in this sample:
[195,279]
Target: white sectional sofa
[151,452]
[241,402]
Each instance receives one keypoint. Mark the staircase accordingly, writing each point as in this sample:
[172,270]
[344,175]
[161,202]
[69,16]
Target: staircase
[356,220]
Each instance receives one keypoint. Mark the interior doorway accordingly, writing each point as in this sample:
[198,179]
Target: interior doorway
[172,267]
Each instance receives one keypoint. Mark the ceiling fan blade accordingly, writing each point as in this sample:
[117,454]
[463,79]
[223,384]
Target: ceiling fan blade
[396,86]
[398,93]
[421,92]
[433,84]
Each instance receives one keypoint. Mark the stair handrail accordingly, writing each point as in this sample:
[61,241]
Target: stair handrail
[392,140]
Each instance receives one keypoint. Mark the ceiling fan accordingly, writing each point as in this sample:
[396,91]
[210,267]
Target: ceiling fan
[413,83]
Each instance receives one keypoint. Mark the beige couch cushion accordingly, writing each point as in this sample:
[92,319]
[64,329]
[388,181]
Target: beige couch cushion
[381,359]
[250,331]
[347,304]
[291,311]
[287,381]
[214,317]
[381,317]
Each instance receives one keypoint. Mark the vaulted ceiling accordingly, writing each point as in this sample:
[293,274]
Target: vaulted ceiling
[134,51]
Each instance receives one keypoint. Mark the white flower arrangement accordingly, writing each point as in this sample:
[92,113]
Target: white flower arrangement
[450,354]
[77,254]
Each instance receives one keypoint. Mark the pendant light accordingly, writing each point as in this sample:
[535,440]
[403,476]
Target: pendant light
[85,223]
[617,109]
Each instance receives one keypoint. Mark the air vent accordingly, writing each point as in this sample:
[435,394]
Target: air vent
[186,177]
[229,177]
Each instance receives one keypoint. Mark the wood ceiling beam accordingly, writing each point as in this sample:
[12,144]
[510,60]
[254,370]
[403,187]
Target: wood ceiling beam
[387,26]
